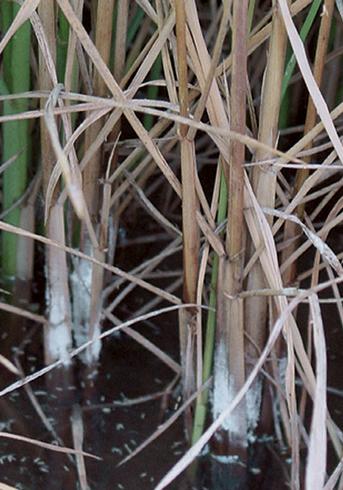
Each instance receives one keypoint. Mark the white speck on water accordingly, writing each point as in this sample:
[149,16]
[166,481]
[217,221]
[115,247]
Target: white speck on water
[7,425]
[7,458]
[120,427]
[116,450]
[106,410]
[176,444]
[93,374]
[128,449]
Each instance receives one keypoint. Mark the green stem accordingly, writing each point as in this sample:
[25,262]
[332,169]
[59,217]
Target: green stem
[16,73]
[152,92]
[201,404]
[285,96]
[303,34]
[134,25]
[62,46]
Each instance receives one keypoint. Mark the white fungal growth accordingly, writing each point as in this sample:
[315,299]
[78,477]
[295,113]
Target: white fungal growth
[253,407]
[81,280]
[58,334]
[81,283]
[93,352]
[222,392]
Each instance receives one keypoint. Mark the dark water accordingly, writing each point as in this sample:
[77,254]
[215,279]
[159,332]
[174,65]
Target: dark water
[116,419]
[121,404]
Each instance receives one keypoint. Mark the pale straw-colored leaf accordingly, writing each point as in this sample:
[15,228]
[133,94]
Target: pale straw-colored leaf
[16,310]
[316,461]
[324,249]
[71,173]
[113,86]
[317,98]
[78,436]
[24,13]
[3,486]
[339,4]
[9,365]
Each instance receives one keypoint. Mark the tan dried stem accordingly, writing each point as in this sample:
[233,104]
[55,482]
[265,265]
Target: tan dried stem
[230,322]
[264,180]
[57,338]
[190,229]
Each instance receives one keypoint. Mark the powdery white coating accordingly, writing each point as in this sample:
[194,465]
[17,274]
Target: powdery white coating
[222,391]
[81,280]
[58,337]
[282,365]
[253,407]
[58,341]
[81,283]
[93,352]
